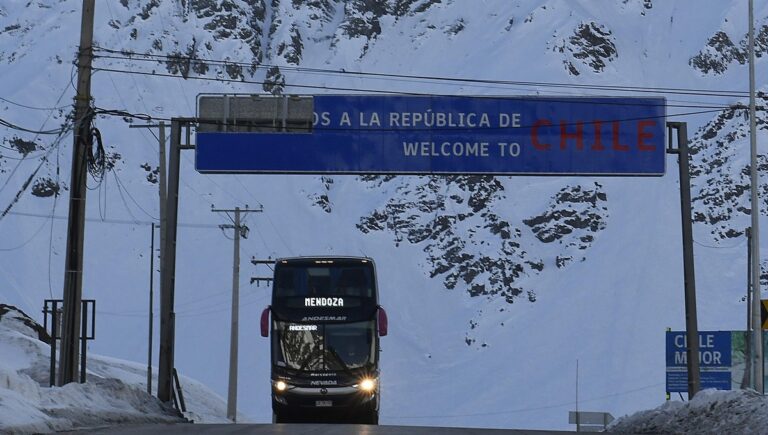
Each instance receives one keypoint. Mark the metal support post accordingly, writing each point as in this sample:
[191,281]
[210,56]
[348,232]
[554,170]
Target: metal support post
[691,321]
[151,310]
[168,269]
[749,375]
[83,342]
[162,190]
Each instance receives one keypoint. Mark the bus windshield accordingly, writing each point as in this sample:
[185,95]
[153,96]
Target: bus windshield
[324,280]
[324,347]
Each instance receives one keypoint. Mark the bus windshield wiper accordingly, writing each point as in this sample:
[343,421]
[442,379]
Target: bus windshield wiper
[338,358]
[310,357]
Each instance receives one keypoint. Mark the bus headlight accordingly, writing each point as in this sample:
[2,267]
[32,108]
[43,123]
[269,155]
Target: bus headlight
[367,385]
[280,386]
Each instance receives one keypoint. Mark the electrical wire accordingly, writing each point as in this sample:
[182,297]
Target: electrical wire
[26,184]
[32,107]
[16,167]
[53,213]
[715,108]
[120,189]
[114,221]
[718,247]
[29,130]
[26,242]
[476,128]
[130,55]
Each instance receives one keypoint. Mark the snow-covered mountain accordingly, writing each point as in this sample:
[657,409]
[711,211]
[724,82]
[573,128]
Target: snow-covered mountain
[495,286]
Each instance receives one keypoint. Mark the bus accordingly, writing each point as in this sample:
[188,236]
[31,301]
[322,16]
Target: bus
[324,325]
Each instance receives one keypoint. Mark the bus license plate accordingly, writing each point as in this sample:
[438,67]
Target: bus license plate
[323,403]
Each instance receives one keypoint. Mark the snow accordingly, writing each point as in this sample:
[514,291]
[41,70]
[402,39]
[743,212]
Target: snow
[115,391]
[710,412]
[609,311]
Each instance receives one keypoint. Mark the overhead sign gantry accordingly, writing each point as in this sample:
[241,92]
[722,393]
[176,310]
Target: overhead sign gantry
[396,134]
[375,134]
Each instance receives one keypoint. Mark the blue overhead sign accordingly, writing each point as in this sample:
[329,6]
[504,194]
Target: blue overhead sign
[365,134]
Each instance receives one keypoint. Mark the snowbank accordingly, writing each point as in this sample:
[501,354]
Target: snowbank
[114,394]
[710,412]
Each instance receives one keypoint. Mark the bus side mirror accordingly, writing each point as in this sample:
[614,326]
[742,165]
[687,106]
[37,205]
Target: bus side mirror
[265,322]
[383,322]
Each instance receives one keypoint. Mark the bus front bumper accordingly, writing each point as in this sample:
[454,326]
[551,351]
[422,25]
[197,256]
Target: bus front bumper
[319,398]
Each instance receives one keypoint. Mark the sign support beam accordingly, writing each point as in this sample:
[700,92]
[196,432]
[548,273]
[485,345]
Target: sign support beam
[168,269]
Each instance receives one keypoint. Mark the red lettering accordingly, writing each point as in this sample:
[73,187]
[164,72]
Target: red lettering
[616,146]
[642,135]
[578,135]
[535,134]
[598,145]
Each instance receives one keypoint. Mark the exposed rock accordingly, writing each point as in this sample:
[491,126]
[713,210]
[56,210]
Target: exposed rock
[574,216]
[322,198]
[274,83]
[147,9]
[720,51]
[152,173]
[466,243]
[720,181]
[591,45]
[292,49]
[717,55]
[456,27]
[182,63]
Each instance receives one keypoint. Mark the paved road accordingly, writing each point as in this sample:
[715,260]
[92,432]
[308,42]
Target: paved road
[309,429]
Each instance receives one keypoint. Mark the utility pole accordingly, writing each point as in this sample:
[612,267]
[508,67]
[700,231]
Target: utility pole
[233,337]
[748,374]
[73,265]
[689,275]
[757,327]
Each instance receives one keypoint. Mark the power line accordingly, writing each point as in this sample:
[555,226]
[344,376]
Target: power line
[120,185]
[411,93]
[31,176]
[718,247]
[18,164]
[465,127]
[130,55]
[53,212]
[13,126]
[33,107]
[25,243]
[112,221]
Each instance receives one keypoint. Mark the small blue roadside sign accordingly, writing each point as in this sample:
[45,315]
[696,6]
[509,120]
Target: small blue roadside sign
[715,360]
[374,134]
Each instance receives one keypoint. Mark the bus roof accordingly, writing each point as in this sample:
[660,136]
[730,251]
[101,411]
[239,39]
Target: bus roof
[323,259]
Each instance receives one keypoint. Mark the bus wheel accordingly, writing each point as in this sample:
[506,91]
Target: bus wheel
[373,418]
[279,418]
[369,415]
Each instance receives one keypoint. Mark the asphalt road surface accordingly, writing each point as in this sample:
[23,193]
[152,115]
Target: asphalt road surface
[309,429]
